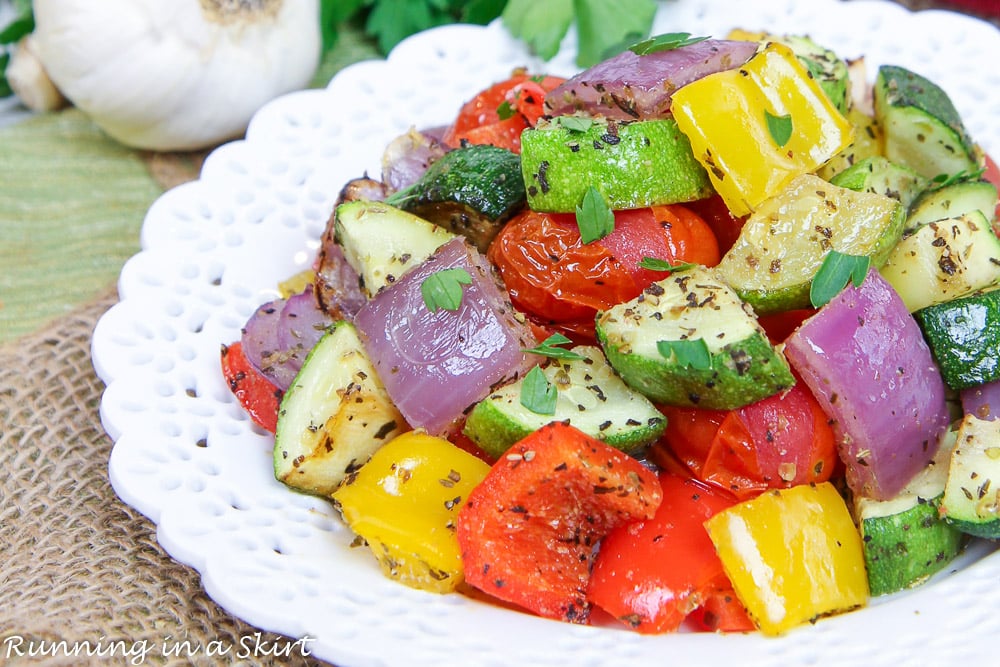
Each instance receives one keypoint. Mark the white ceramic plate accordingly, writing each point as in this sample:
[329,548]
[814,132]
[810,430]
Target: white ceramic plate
[187,457]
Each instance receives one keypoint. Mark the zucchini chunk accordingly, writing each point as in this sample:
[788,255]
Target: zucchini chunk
[951,201]
[642,339]
[783,243]
[922,128]
[905,539]
[591,397]
[632,164]
[944,260]
[964,337]
[382,242]
[879,175]
[471,191]
[971,497]
[867,143]
[334,416]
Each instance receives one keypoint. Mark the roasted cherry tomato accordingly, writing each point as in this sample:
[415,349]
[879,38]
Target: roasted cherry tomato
[724,224]
[258,396]
[556,278]
[653,573]
[498,114]
[781,441]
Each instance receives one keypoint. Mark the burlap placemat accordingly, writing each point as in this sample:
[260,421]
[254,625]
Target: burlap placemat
[77,564]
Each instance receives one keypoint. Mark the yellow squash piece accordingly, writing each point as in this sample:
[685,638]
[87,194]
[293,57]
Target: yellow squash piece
[757,127]
[792,555]
[404,501]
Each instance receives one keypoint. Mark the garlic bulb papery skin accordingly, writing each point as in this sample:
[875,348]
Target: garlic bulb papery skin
[172,75]
[29,80]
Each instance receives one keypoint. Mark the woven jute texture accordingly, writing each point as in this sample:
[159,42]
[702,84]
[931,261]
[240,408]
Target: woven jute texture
[76,564]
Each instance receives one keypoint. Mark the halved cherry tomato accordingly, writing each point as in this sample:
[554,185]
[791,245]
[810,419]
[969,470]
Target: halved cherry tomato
[781,441]
[498,114]
[653,573]
[556,278]
[258,395]
[724,224]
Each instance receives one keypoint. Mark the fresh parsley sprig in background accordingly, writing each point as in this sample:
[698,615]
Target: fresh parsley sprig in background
[602,25]
[18,20]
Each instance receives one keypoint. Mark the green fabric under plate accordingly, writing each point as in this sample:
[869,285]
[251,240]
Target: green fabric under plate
[72,202]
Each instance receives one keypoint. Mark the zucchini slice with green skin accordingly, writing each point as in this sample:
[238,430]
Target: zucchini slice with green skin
[690,306]
[951,201]
[972,493]
[471,191]
[334,416]
[591,397]
[825,66]
[879,175]
[382,242]
[905,539]
[922,128]
[783,243]
[964,337]
[867,143]
[944,260]
[632,164]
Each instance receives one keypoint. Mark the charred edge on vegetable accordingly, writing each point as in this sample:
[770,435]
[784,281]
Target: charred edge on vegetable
[543,181]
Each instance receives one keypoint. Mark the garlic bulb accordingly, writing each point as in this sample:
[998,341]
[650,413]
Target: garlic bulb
[176,74]
[29,81]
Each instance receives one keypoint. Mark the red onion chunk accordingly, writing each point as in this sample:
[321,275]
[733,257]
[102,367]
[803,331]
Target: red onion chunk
[337,283]
[279,335]
[983,401]
[865,360]
[262,344]
[631,87]
[435,365]
[407,157]
[300,327]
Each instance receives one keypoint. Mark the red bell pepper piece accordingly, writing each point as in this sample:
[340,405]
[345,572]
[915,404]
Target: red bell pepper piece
[652,574]
[498,114]
[258,395]
[722,611]
[528,531]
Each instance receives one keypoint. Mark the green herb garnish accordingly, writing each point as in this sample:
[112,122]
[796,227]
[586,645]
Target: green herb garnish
[654,264]
[688,353]
[505,110]
[780,127]
[594,217]
[443,289]
[573,123]
[837,269]
[665,42]
[550,348]
[538,394]
[944,180]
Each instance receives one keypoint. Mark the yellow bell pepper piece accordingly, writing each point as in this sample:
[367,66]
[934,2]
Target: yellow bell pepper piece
[757,127]
[404,501]
[792,555]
